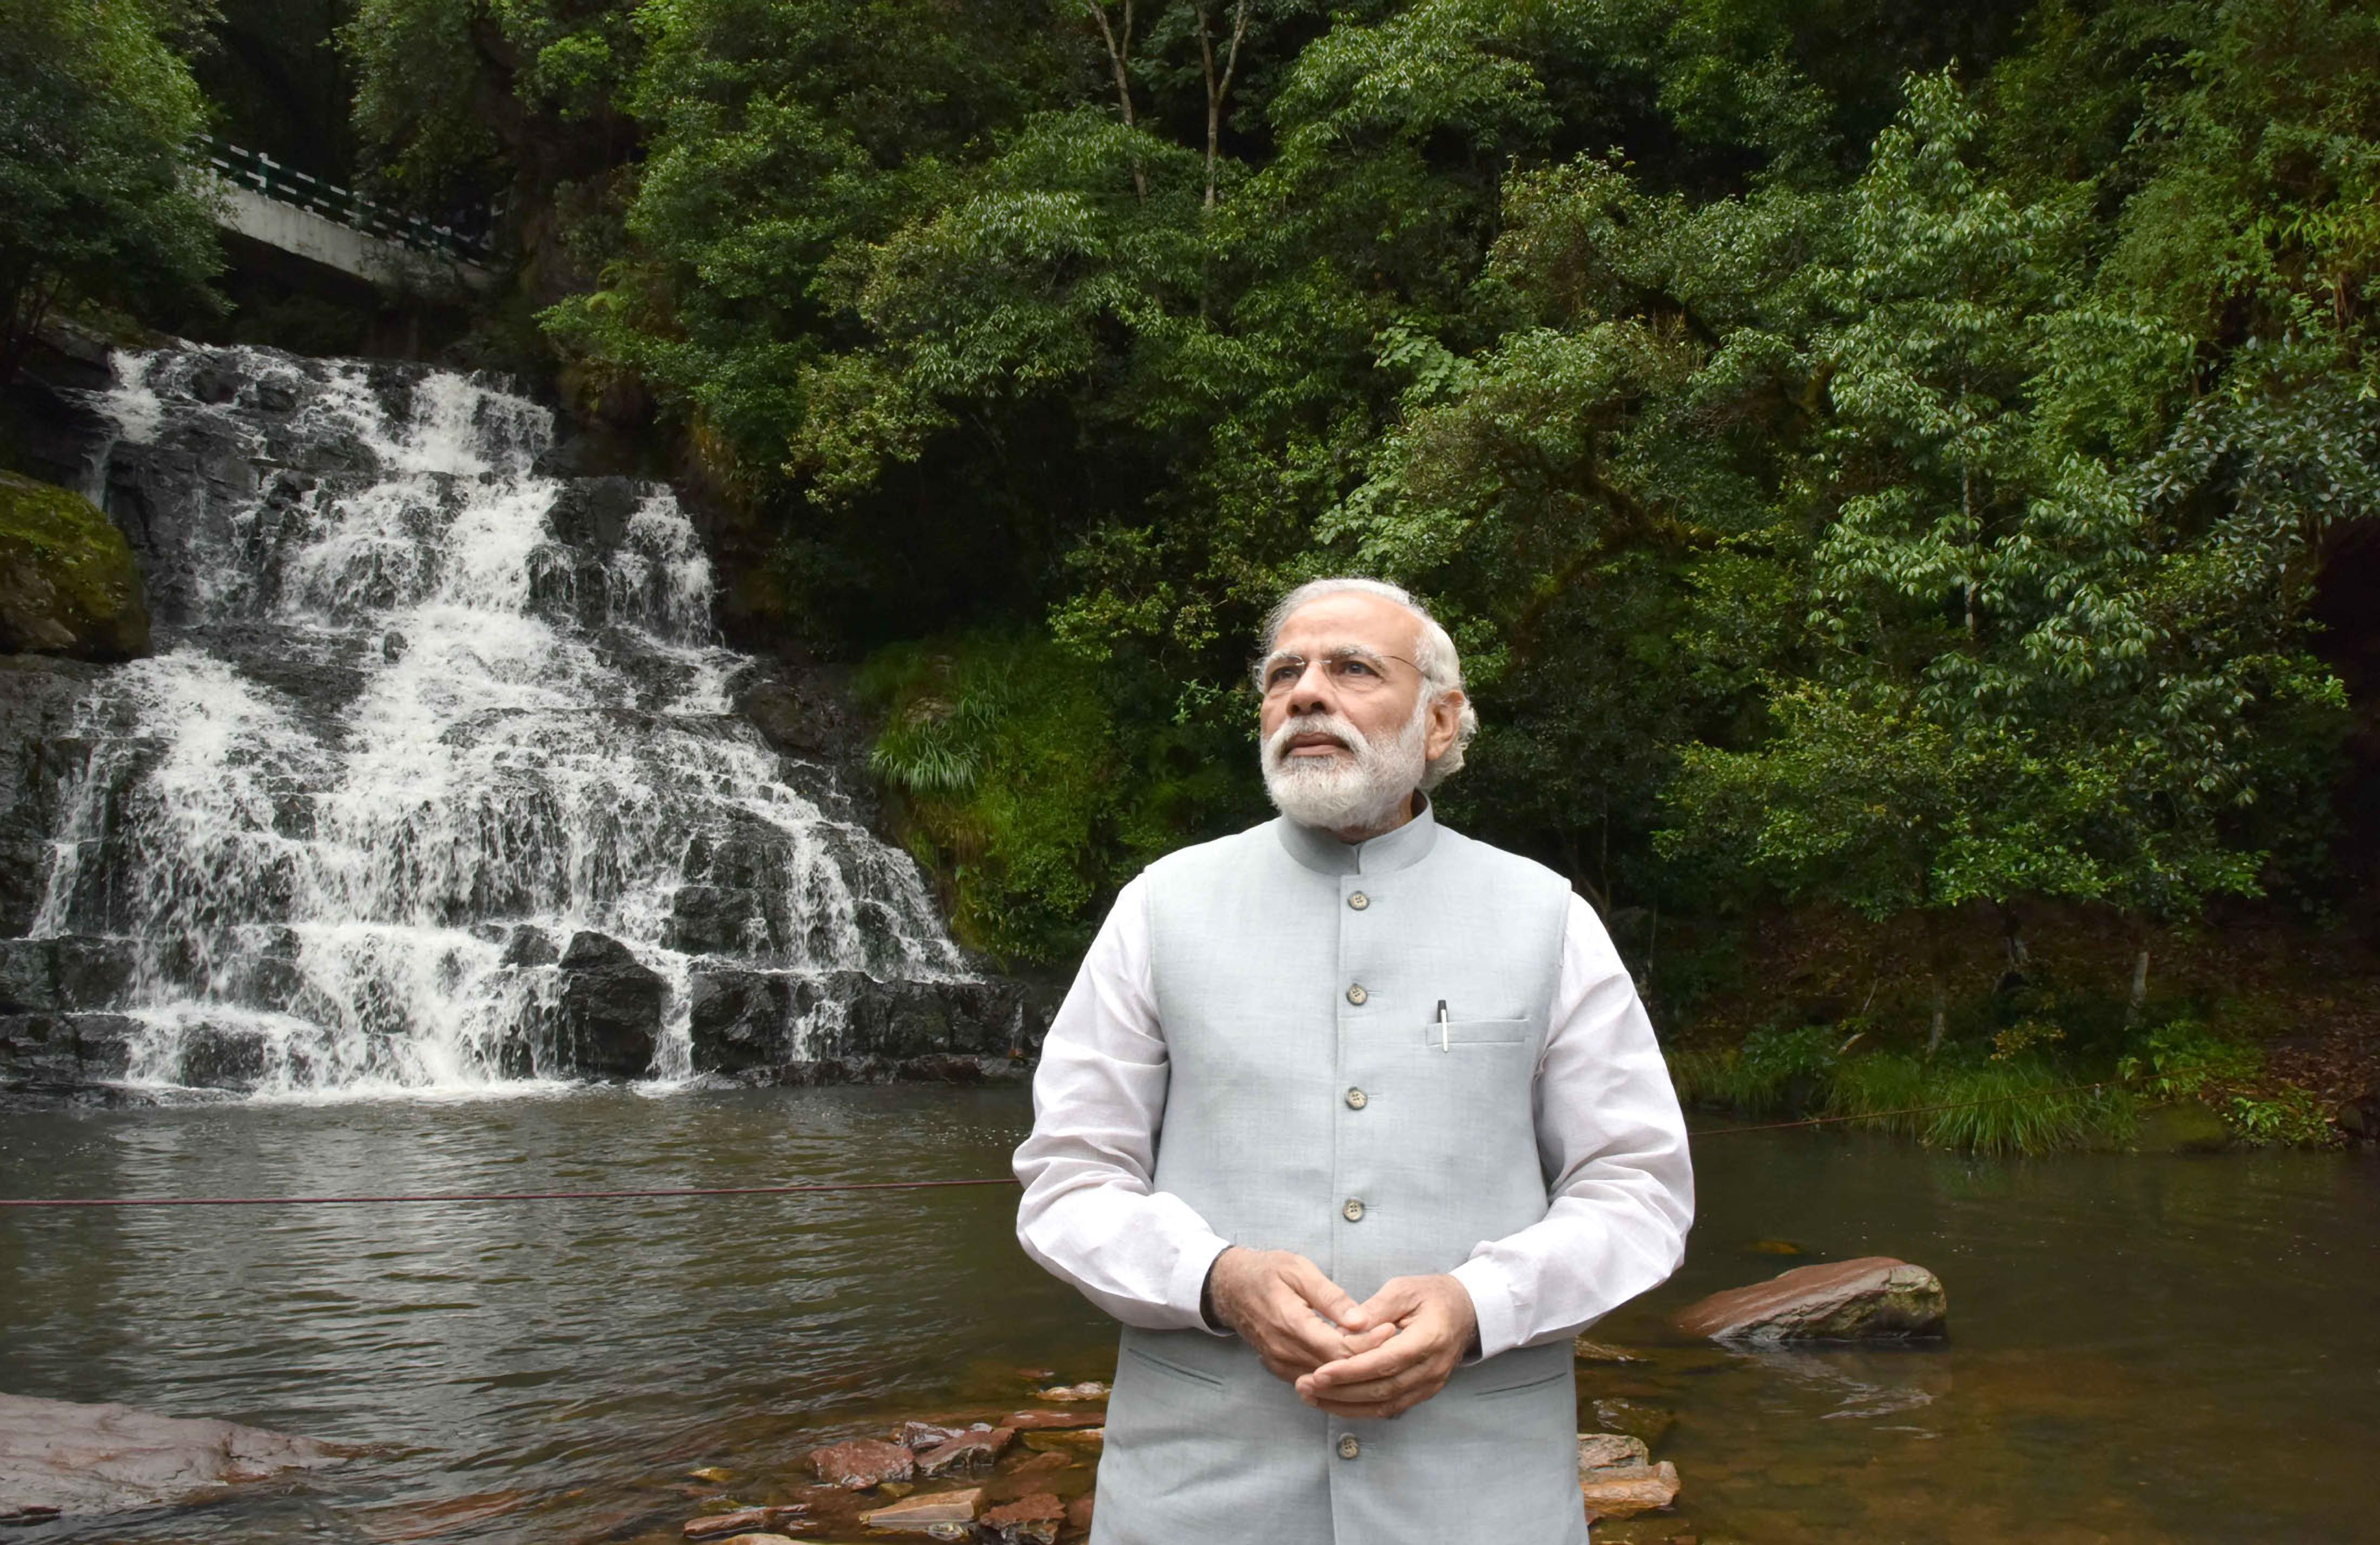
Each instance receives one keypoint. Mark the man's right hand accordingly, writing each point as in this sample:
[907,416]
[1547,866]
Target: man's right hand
[1294,1317]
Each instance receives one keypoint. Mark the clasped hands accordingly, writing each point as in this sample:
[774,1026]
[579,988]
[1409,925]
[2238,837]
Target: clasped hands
[1376,1358]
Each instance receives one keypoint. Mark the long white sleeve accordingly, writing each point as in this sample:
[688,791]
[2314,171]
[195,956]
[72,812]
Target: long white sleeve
[1089,1215]
[1613,1145]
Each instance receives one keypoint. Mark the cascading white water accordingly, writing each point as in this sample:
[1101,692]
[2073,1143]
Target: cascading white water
[410,711]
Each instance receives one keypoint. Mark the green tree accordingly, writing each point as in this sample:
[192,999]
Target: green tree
[2030,680]
[96,110]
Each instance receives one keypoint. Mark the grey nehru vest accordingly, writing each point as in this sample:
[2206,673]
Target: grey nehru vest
[1319,1103]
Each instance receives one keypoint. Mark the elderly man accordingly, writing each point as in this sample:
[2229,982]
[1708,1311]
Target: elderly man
[1352,1122]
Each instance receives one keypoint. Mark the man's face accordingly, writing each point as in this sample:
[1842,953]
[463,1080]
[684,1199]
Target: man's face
[1336,626]
[1345,663]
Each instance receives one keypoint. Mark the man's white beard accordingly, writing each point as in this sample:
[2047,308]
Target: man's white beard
[1339,794]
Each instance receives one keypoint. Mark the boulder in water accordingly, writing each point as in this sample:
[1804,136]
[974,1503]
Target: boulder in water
[60,1459]
[528,945]
[68,582]
[1873,1298]
[609,1019]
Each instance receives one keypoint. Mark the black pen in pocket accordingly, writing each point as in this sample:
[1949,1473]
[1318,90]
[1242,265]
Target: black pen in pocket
[1441,1026]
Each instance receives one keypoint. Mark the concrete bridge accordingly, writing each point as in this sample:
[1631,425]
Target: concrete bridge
[340,229]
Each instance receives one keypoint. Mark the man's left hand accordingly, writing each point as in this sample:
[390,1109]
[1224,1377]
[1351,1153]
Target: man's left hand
[1435,1322]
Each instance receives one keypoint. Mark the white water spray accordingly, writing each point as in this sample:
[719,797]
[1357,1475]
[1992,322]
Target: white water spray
[413,711]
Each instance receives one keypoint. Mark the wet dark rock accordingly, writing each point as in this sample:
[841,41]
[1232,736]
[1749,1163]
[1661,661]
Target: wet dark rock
[63,1053]
[609,1018]
[28,975]
[782,1023]
[1873,1298]
[528,945]
[39,751]
[862,1462]
[60,1459]
[1636,1418]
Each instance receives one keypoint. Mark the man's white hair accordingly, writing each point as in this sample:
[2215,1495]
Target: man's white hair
[1434,655]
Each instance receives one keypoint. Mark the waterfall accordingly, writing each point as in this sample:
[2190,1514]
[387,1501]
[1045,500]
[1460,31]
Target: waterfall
[431,737]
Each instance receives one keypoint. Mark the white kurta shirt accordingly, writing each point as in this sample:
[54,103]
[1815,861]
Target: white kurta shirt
[1610,1139]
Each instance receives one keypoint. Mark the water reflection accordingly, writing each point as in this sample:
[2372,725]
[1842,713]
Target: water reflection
[2141,1349]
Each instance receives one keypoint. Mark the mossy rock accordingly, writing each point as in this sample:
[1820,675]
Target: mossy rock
[2186,1126]
[68,582]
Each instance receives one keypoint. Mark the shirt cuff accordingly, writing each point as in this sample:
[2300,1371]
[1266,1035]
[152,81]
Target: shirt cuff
[1491,1304]
[1189,1285]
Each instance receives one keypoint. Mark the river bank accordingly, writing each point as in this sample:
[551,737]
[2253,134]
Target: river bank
[2135,1339]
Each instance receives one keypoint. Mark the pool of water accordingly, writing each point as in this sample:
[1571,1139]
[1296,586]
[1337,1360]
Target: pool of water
[2143,1348]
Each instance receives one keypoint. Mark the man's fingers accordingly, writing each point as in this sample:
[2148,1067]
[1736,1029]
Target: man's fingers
[1327,1298]
[1394,1356]
[1398,1297]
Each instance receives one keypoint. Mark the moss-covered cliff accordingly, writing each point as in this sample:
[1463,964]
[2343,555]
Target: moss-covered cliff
[68,582]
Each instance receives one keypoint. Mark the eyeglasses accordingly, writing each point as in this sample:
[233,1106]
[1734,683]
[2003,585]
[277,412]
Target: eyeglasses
[1355,671]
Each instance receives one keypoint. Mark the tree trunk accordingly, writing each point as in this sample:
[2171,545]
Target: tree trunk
[2140,991]
[1219,87]
[1119,64]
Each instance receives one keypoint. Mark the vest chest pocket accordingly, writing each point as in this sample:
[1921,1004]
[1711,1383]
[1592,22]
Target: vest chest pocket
[1456,1035]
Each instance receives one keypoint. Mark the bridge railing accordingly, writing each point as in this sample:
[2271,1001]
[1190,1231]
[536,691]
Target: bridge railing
[471,242]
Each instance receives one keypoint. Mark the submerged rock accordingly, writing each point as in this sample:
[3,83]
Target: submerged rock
[60,1459]
[1089,1388]
[1873,1298]
[862,1462]
[2185,1127]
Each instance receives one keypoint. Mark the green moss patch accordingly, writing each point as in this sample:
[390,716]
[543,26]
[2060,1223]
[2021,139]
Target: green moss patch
[68,584]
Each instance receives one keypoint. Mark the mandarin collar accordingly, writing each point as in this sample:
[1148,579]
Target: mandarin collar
[1391,851]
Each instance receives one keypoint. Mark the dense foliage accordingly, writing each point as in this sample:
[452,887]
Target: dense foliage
[95,108]
[1873,457]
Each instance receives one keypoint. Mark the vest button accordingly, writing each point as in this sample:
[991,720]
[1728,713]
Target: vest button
[1357,1100]
[1349,1447]
[1355,994]
[1359,901]
[1353,1210]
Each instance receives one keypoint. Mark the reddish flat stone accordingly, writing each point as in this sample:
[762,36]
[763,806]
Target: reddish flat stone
[1874,1298]
[1036,1518]
[1034,1421]
[926,1511]
[862,1462]
[966,1451]
[1089,1388]
[745,1521]
[1078,1511]
[1624,1492]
